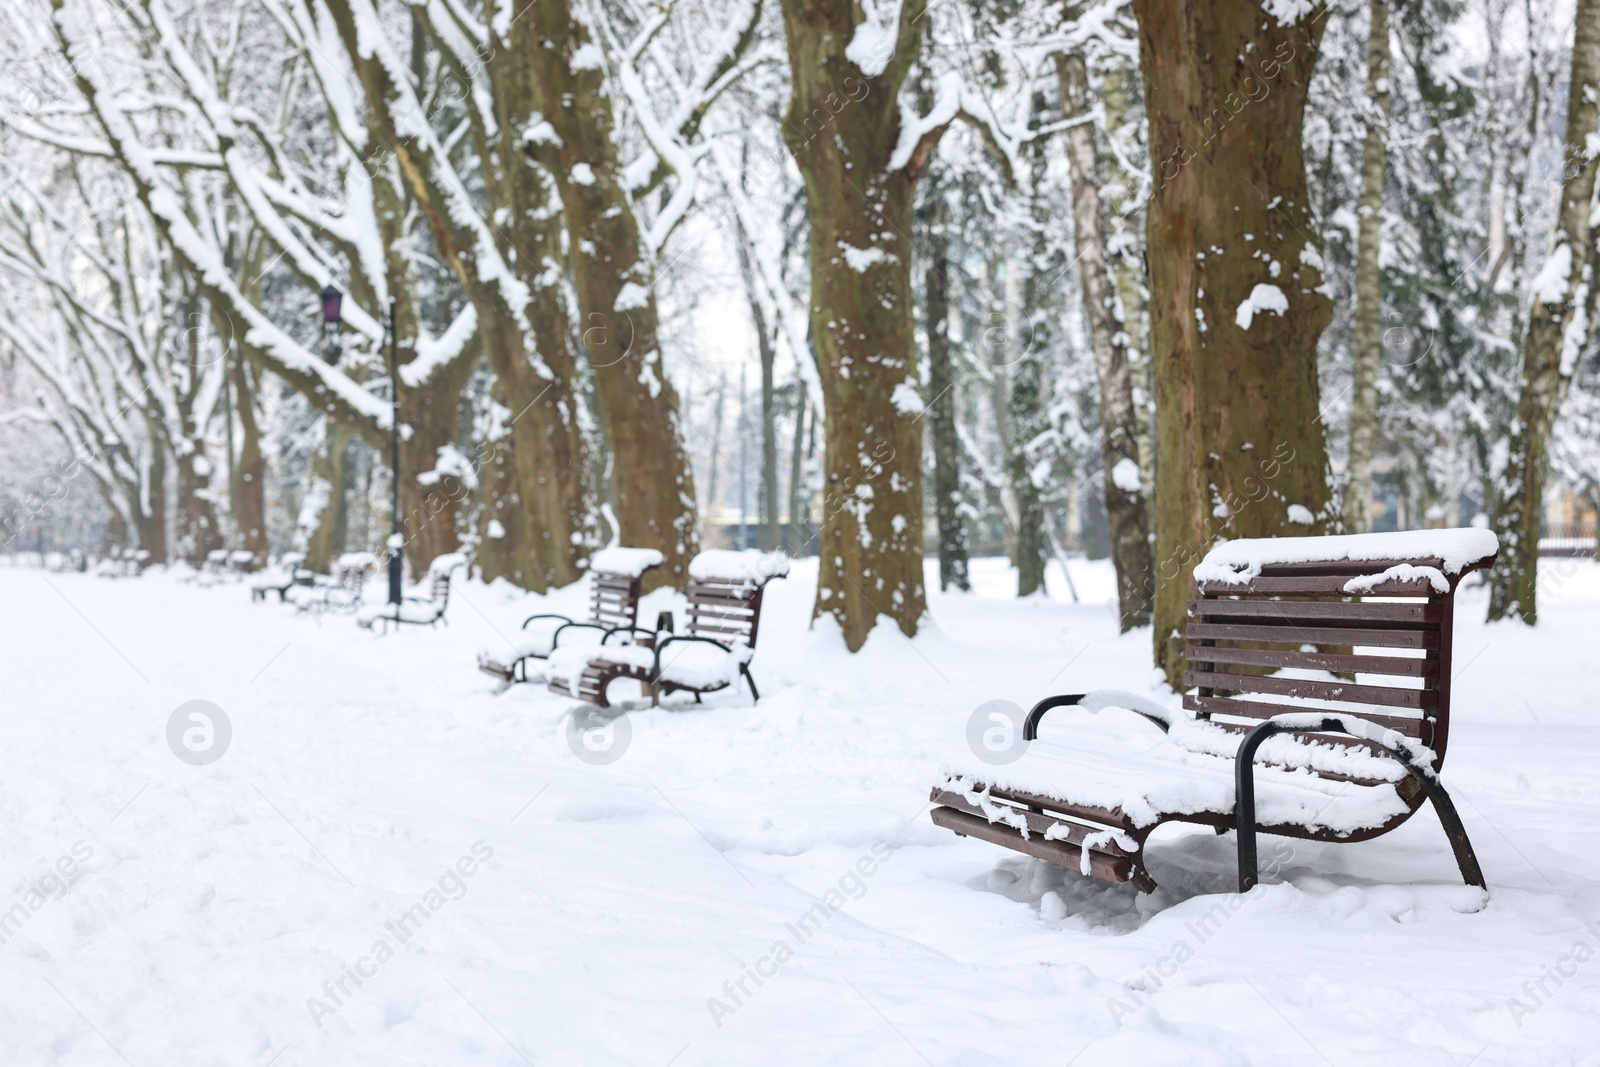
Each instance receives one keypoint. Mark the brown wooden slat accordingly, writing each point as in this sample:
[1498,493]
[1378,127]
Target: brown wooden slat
[1314,585]
[1330,612]
[1037,822]
[1315,689]
[1261,709]
[1310,635]
[721,601]
[1062,855]
[1345,566]
[1078,812]
[1325,661]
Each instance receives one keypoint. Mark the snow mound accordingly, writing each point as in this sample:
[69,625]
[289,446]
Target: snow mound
[628,562]
[751,566]
[1240,561]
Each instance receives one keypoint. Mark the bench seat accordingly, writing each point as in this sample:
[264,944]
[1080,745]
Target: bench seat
[1190,771]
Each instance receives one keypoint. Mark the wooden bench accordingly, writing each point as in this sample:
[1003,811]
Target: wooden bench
[615,576]
[278,579]
[723,621]
[415,610]
[1315,755]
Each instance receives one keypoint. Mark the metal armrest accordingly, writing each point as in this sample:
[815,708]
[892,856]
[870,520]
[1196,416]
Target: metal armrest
[632,631]
[1097,701]
[531,618]
[1417,766]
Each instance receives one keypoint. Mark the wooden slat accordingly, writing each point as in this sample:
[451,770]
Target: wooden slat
[1315,585]
[1261,709]
[1101,866]
[1311,635]
[1331,612]
[1345,566]
[1314,689]
[1325,661]
[1037,822]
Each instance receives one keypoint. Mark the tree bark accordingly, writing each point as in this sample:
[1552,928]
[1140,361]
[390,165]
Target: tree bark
[1555,335]
[150,501]
[1123,475]
[841,128]
[1240,443]
[613,275]
[941,417]
[248,492]
[1367,341]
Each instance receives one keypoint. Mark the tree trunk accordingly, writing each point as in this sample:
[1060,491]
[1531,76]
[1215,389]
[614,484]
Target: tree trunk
[613,276]
[249,489]
[841,128]
[799,514]
[769,420]
[941,416]
[1235,309]
[1368,338]
[1027,406]
[1552,341]
[150,503]
[325,486]
[1123,475]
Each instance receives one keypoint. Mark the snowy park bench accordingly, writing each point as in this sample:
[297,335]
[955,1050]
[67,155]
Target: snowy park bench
[339,590]
[714,652]
[417,610]
[279,578]
[1301,752]
[615,575]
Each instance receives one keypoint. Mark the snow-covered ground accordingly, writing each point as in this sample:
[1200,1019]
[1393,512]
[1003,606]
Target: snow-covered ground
[390,865]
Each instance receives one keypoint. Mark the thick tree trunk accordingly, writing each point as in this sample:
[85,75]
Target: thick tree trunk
[1556,334]
[248,491]
[613,275]
[1123,474]
[1368,338]
[196,529]
[842,127]
[941,416]
[1236,308]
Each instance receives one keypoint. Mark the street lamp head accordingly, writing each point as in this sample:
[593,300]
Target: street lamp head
[331,297]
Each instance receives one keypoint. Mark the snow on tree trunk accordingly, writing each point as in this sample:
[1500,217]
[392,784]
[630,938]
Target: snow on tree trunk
[1235,305]
[1556,334]
[1367,340]
[1123,473]
[842,125]
[613,276]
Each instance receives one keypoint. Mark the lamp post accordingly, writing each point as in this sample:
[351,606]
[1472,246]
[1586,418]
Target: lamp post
[331,298]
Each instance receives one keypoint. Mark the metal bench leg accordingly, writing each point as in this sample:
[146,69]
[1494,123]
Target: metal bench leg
[750,679]
[1245,800]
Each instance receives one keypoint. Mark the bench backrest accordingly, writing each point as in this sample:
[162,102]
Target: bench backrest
[725,609]
[1330,616]
[614,599]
